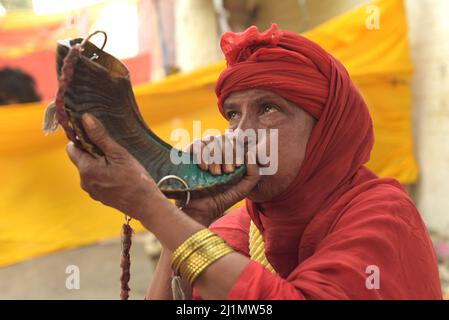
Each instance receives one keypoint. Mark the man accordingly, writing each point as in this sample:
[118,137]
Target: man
[331,229]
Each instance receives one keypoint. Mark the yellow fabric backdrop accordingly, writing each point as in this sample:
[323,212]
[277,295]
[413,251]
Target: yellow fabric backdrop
[42,208]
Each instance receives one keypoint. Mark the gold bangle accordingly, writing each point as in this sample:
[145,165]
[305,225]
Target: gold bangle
[190,245]
[202,253]
[186,254]
[196,273]
[202,258]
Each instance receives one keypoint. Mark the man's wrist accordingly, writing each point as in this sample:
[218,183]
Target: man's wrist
[152,209]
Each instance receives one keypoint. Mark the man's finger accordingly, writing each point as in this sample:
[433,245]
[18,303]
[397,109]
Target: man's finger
[240,148]
[216,156]
[249,181]
[252,175]
[99,136]
[227,148]
[197,148]
[252,168]
[75,154]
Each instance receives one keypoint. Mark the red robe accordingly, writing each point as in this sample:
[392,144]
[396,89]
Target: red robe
[337,225]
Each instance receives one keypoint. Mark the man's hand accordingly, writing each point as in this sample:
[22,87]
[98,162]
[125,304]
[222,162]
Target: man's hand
[207,209]
[117,179]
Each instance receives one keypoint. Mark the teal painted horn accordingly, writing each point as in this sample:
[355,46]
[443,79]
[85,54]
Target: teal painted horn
[93,81]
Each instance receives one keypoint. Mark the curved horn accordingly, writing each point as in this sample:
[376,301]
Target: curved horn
[91,80]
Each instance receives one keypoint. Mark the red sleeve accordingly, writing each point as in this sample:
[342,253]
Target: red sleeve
[233,227]
[389,236]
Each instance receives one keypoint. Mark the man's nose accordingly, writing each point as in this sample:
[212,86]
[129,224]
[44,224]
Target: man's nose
[247,130]
[248,121]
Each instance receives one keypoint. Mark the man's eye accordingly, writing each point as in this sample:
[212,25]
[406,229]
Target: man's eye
[269,108]
[231,114]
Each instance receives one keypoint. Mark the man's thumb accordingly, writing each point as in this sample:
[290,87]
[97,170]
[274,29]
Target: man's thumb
[99,136]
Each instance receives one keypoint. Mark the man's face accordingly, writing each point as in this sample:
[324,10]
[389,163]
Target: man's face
[260,109]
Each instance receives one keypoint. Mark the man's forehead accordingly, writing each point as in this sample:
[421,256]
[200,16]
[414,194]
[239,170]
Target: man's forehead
[251,94]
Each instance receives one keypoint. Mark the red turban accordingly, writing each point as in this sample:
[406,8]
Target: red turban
[282,62]
[337,217]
